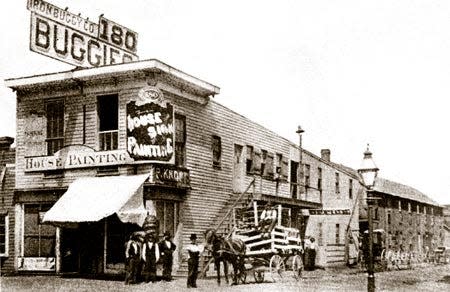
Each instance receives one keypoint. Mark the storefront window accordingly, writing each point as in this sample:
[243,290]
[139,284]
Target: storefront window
[39,239]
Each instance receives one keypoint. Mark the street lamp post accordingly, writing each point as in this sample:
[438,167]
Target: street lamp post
[300,131]
[369,173]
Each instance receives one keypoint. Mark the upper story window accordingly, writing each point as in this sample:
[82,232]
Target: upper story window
[216,150]
[263,160]
[249,161]
[350,189]
[268,168]
[108,116]
[180,140]
[336,184]
[279,162]
[319,179]
[307,175]
[54,110]
[4,235]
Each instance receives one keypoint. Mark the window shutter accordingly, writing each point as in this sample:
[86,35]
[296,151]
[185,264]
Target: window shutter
[284,168]
[268,170]
[256,165]
[301,178]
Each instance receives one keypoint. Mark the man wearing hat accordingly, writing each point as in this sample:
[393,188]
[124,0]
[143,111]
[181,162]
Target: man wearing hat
[133,249]
[268,219]
[166,248]
[194,251]
[150,255]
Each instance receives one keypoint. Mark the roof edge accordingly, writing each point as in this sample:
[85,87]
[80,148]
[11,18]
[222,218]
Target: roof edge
[83,74]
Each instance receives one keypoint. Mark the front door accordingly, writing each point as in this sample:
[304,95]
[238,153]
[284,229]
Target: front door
[70,250]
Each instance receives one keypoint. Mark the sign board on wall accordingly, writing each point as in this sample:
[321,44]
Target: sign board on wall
[34,134]
[78,156]
[150,127]
[169,175]
[37,264]
[69,38]
[329,212]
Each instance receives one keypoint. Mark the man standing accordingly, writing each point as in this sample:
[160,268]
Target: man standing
[194,251]
[150,255]
[166,248]
[312,253]
[133,257]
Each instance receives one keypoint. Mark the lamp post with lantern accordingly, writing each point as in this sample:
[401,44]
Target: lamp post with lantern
[368,172]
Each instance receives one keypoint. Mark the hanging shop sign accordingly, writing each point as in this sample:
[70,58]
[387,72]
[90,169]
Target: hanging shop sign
[150,127]
[70,38]
[167,175]
[329,212]
[77,156]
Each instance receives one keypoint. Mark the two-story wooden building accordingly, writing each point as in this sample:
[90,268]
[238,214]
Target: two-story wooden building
[98,149]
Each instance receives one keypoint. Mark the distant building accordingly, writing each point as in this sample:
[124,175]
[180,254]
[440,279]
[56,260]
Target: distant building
[446,211]
[406,218]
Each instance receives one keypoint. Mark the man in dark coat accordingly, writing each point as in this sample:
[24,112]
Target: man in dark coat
[150,256]
[166,248]
[133,250]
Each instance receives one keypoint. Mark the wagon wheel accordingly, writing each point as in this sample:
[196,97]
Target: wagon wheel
[297,267]
[259,276]
[277,267]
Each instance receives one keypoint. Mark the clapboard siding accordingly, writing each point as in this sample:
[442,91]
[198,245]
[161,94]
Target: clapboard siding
[7,207]
[211,188]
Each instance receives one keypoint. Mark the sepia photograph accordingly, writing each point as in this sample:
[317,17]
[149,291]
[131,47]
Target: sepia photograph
[170,145]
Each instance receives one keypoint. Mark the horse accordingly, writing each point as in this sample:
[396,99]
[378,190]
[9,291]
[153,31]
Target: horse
[226,250]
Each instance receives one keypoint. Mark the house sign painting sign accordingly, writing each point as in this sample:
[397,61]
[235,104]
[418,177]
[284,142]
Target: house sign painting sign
[150,127]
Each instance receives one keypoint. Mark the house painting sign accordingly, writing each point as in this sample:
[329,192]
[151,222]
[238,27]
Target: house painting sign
[150,127]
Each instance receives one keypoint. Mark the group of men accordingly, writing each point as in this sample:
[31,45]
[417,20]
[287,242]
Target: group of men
[143,252]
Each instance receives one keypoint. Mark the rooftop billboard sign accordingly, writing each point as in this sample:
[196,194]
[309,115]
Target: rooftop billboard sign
[70,38]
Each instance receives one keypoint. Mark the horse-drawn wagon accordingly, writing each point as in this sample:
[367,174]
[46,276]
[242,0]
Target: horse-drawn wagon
[252,248]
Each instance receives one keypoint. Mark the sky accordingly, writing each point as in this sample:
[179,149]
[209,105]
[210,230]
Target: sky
[349,72]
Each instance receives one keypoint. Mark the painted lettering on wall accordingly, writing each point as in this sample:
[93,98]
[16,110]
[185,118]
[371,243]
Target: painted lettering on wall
[169,175]
[34,134]
[76,157]
[36,264]
[68,37]
[329,212]
[150,130]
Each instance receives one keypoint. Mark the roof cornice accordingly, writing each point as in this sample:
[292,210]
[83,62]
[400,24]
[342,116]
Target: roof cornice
[90,73]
